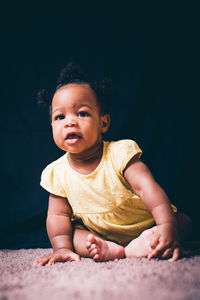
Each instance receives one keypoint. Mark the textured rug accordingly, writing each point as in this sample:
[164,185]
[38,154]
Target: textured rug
[125,279]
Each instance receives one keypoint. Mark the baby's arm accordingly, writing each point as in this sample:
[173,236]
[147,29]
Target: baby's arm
[166,240]
[59,231]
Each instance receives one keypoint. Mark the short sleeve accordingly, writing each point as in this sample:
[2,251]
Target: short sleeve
[122,152]
[50,181]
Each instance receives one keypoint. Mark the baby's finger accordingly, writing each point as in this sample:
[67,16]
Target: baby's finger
[52,260]
[176,254]
[152,254]
[167,253]
[157,252]
[42,261]
[154,242]
[74,257]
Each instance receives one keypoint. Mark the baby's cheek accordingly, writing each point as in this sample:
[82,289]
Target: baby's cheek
[54,136]
[57,138]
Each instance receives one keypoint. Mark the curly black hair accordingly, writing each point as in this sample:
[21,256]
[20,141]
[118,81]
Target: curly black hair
[73,73]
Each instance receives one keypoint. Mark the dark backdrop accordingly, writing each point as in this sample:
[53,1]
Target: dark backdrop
[151,53]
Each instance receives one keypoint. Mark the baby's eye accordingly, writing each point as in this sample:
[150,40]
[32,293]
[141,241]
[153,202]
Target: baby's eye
[59,117]
[83,114]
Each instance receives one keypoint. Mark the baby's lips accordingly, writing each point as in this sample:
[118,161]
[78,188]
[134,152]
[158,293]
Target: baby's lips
[71,135]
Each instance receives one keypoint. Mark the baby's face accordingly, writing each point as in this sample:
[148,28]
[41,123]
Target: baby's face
[76,120]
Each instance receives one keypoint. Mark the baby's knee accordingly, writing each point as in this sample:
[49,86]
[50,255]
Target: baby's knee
[150,230]
[148,234]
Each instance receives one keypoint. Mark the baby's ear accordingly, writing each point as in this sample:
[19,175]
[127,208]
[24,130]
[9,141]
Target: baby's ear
[105,123]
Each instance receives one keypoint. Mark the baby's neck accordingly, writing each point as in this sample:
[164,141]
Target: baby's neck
[86,162]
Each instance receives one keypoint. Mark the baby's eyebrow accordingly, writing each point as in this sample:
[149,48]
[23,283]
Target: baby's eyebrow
[55,109]
[81,105]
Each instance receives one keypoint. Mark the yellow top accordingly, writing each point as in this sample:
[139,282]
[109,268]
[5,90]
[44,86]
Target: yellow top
[103,200]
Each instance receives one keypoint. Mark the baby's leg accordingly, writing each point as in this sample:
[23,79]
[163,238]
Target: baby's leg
[140,247]
[89,245]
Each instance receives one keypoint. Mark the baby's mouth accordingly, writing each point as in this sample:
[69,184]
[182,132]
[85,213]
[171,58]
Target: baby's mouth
[72,136]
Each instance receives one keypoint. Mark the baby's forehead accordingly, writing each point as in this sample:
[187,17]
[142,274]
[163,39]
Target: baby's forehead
[76,92]
[76,86]
[77,89]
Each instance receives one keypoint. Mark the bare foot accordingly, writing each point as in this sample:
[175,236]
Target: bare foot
[140,247]
[101,250]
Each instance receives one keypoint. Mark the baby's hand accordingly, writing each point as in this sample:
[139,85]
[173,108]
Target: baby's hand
[166,243]
[59,255]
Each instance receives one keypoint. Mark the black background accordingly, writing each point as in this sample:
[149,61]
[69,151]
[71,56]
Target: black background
[151,52]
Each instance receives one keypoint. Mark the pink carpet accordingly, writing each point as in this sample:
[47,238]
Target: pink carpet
[124,279]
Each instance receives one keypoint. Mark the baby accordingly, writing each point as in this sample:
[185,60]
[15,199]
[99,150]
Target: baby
[104,202]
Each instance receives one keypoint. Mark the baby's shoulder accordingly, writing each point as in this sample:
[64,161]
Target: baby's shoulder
[58,163]
[52,177]
[121,152]
[116,146]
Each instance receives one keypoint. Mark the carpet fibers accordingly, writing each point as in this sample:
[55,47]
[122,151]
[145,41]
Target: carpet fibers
[125,279]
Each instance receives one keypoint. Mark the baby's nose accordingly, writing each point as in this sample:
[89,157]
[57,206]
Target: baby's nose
[70,121]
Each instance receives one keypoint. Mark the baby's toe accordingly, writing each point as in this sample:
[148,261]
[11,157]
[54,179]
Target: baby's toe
[88,244]
[91,238]
[93,246]
[94,252]
[96,257]
[93,249]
